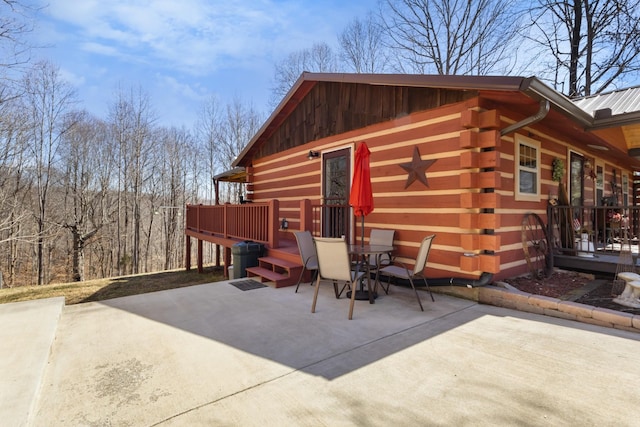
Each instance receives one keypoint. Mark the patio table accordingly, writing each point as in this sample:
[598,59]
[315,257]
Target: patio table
[363,254]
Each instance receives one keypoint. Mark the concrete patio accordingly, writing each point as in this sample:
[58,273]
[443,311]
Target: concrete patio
[215,355]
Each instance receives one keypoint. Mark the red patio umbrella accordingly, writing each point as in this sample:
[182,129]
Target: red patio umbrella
[361,196]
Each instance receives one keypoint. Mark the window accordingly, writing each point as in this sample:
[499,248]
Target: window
[576,178]
[527,171]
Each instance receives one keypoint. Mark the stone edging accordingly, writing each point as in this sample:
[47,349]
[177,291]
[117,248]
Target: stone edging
[509,297]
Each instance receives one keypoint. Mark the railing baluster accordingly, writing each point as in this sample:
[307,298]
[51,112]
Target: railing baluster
[607,226]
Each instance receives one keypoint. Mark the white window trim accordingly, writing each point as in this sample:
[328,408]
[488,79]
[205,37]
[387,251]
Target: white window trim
[523,140]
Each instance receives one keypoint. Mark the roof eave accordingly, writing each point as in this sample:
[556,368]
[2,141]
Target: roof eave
[617,120]
[530,86]
[537,90]
[289,97]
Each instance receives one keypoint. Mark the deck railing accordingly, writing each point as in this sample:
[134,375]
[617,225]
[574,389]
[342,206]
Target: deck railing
[252,221]
[331,220]
[585,229]
[259,222]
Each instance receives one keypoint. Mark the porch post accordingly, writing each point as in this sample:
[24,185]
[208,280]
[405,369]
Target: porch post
[306,217]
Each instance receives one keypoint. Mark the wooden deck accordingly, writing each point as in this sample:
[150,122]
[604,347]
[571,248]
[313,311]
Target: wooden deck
[602,263]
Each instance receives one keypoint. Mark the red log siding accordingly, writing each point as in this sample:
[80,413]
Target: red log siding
[471,184]
[511,211]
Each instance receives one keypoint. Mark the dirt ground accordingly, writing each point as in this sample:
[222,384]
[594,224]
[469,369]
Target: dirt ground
[569,285]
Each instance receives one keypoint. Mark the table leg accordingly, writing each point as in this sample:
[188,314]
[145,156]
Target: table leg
[362,294]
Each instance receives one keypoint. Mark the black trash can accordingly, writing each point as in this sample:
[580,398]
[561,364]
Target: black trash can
[245,254]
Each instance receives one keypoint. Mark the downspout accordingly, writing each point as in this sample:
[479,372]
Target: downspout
[541,114]
[486,278]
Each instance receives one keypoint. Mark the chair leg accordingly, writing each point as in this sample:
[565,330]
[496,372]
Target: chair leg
[379,282]
[335,289]
[386,291]
[315,295]
[416,292]
[428,288]
[338,294]
[313,278]
[353,299]
[371,292]
[300,278]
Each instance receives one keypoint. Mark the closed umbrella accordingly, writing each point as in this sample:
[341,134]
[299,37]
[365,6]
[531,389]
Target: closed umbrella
[361,196]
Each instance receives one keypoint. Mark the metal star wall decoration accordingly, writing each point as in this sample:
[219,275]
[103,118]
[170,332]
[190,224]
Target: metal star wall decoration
[417,169]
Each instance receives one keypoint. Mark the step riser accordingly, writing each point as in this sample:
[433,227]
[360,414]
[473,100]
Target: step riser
[282,272]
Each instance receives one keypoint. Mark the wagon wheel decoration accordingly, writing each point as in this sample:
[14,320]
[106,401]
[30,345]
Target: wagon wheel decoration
[535,244]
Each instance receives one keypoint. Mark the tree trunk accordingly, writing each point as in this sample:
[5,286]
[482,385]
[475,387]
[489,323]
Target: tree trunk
[575,49]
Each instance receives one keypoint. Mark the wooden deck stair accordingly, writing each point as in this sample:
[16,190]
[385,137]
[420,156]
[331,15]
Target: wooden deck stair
[278,270]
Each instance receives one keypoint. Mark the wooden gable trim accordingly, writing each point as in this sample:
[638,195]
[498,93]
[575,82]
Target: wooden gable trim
[334,108]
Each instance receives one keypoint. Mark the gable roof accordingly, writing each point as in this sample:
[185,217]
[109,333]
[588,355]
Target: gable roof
[499,88]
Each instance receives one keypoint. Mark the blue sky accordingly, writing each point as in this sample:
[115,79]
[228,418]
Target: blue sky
[183,51]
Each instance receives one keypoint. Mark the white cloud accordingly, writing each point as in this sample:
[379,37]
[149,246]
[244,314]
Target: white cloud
[73,78]
[193,36]
[181,89]
[184,51]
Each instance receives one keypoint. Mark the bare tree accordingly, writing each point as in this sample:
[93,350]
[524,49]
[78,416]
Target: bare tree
[16,21]
[452,36]
[132,118]
[317,58]
[209,131]
[85,190]
[239,124]
[48,99]
[363,47]
[591,44]
[15,185]
[177,146]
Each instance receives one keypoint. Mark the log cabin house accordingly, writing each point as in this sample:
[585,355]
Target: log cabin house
[483,148]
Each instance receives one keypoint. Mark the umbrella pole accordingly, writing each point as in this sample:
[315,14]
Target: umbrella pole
[362,236]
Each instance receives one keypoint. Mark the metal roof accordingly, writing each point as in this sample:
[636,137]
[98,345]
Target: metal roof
[619,102]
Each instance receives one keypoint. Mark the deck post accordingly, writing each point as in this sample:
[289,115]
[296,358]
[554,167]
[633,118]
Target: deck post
[200,268]
[198,217]
[306,216]
[187,253]
[274,223]
[227,261]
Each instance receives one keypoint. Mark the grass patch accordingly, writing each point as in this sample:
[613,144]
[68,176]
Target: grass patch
[116,287]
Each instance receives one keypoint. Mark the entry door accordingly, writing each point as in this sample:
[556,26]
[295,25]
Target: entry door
[336,185]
